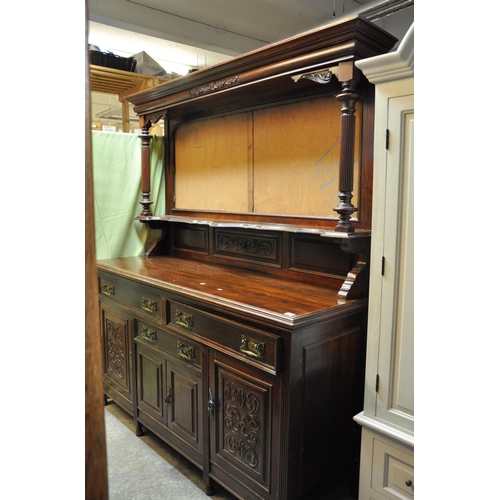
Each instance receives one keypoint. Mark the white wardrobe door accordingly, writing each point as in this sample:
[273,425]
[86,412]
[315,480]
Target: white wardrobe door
[395,401]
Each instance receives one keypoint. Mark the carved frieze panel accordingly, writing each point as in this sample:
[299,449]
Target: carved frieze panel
[214,86]
[247,245]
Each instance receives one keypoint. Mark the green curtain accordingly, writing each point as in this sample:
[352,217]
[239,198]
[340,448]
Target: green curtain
[116,162]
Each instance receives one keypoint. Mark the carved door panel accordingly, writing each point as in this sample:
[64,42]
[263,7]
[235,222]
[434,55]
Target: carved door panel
[243,426]
[117,354]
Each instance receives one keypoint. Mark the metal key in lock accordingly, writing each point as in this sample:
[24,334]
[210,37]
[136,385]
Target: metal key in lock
[211,405]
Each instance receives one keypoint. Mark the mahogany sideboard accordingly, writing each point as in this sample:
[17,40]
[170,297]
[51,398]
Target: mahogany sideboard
[239,337]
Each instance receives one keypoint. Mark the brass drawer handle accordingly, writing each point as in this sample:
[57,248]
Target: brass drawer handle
[185,351]
[252,348]
[148,334]
[107,289]
[183,319]
[149,305]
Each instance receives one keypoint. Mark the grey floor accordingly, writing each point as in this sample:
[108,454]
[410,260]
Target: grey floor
[145,468]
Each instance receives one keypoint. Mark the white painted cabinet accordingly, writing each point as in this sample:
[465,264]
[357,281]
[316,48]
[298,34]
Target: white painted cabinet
[387,420]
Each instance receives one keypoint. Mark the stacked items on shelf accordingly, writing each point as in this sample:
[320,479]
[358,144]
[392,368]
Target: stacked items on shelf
[110,60]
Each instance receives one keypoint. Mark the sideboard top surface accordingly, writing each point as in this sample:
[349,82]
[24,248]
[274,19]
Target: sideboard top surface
[250,293]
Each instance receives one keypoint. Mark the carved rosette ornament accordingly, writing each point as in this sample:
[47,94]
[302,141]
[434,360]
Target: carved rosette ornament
[242,424]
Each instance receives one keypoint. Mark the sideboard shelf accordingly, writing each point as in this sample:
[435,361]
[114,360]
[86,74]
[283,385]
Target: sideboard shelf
[242,224]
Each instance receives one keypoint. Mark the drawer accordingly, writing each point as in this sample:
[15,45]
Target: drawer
[392,473]
[176,346]
[254,346]
[141,297]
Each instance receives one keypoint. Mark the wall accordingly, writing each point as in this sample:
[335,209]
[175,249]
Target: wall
[172,56]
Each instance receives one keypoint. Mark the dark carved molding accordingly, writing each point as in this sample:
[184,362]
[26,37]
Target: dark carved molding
[214,86]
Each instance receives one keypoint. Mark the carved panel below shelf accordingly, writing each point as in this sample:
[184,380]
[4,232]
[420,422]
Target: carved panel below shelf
[253,247]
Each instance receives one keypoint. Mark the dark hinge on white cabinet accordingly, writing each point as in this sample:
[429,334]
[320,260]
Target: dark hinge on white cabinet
[382,269]
[376,383]
[386,138]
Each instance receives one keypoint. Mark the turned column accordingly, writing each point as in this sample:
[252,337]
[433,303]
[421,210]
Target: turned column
[146,169]
[347,74]
[348,97]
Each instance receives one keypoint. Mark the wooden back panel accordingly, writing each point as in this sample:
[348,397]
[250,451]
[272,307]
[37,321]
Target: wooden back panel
[277,160]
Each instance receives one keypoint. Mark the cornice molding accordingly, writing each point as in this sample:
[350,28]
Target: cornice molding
[392,66]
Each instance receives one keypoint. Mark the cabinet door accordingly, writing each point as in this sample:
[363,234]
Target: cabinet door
[169,398]
[395,395]
[243,427]
[150,382]
[117,354]
[183,398]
